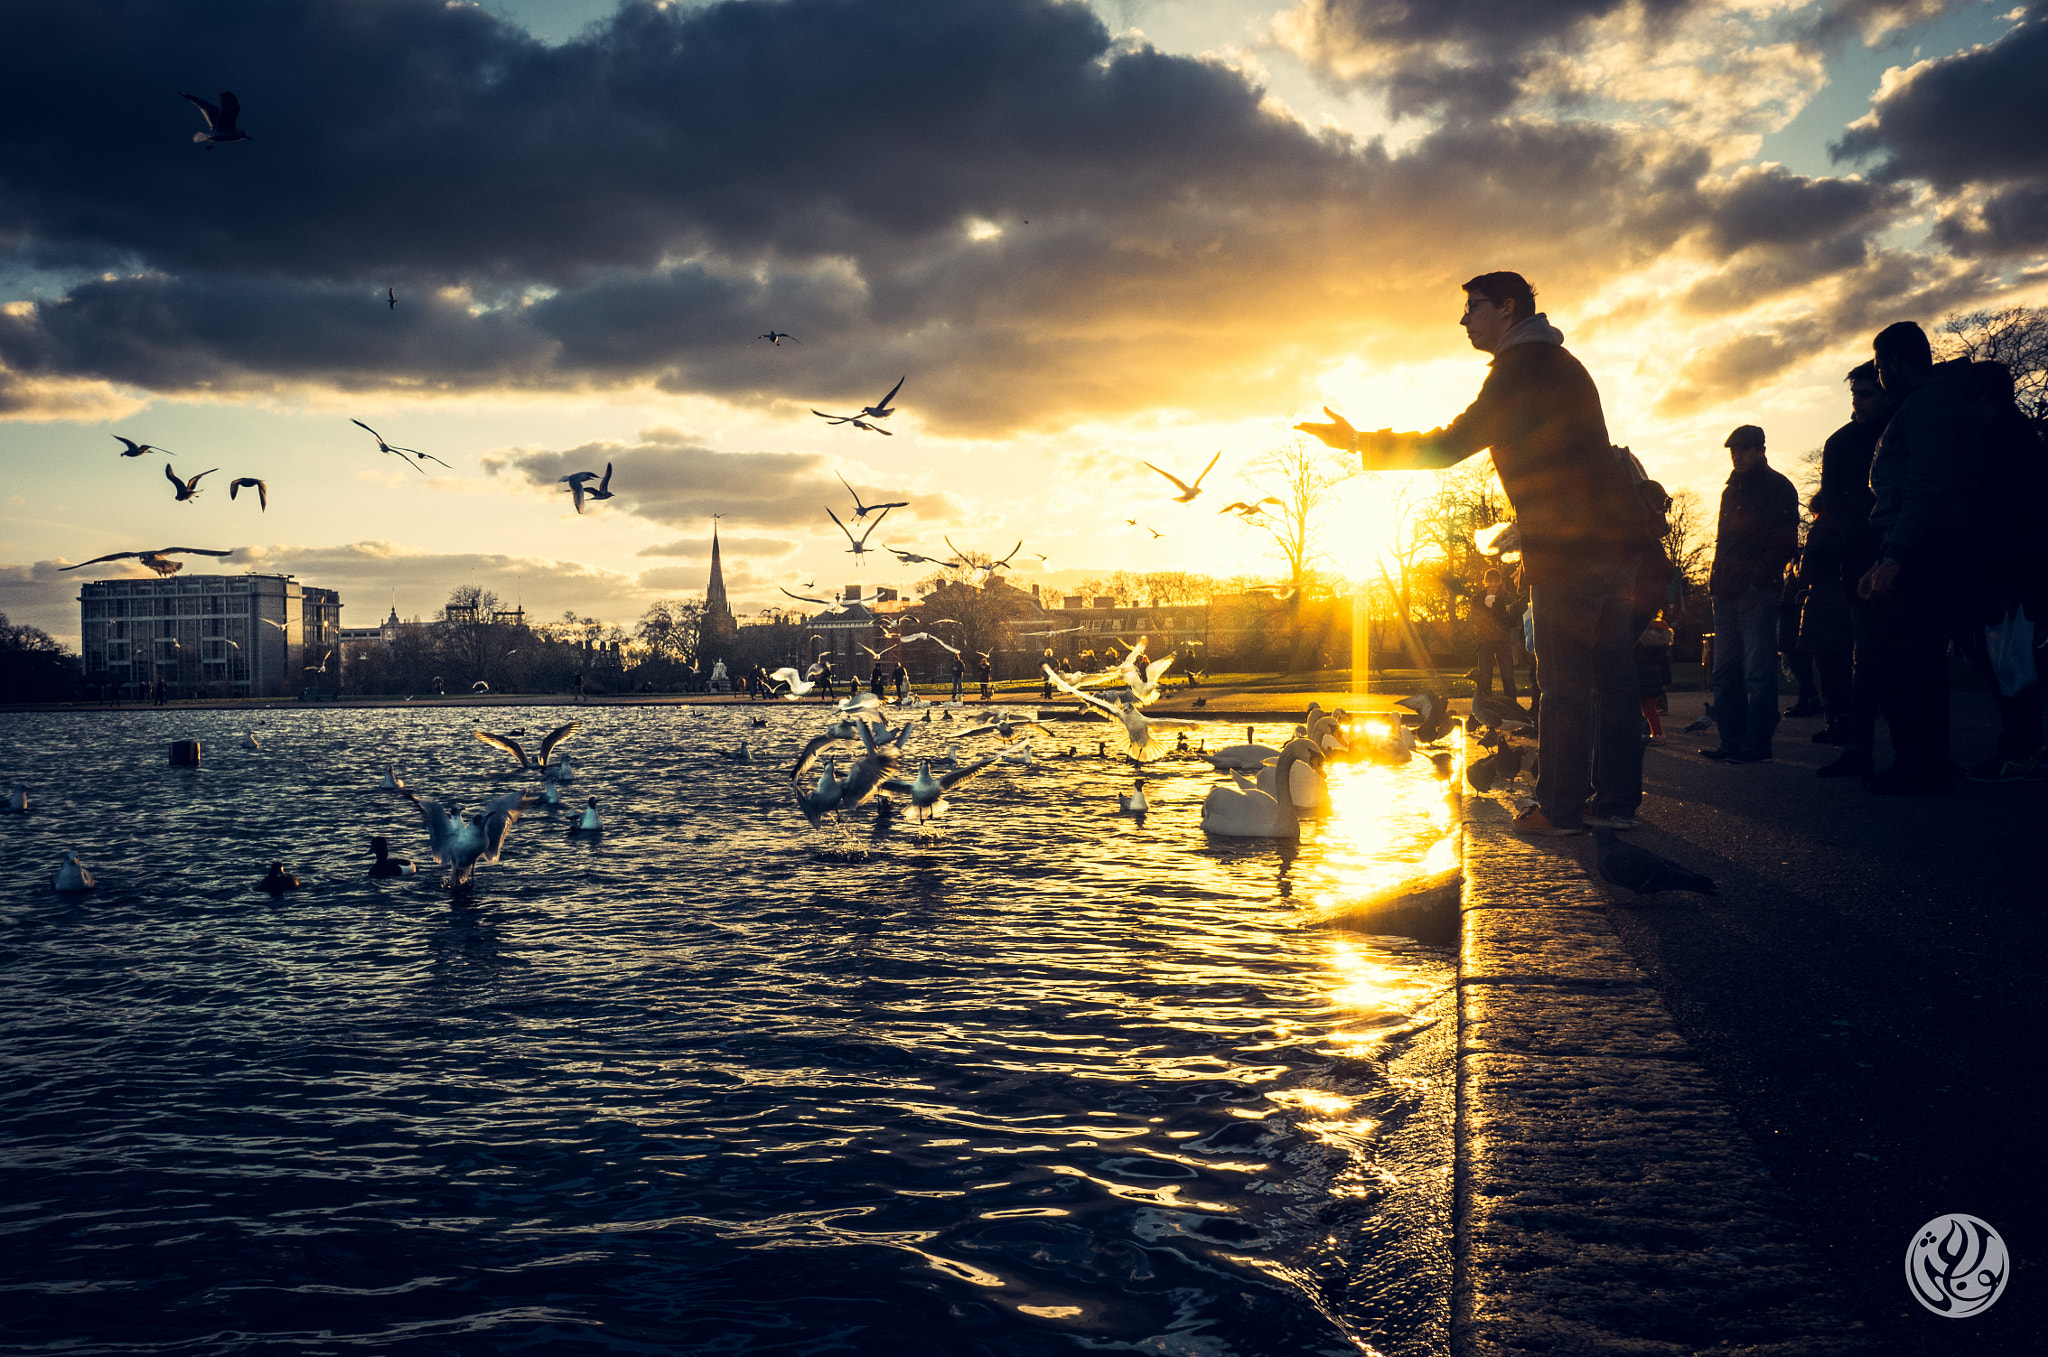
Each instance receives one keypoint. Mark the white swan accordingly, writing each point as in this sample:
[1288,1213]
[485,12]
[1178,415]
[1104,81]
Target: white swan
[71,874]
[392,781]
[1310,792]
[1242,812]
[250,741]
[1244,758]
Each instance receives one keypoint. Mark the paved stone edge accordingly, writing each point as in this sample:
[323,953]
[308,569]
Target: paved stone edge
[1605,1199]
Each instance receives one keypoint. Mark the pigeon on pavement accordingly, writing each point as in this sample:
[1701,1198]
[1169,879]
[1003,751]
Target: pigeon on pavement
[1640,870]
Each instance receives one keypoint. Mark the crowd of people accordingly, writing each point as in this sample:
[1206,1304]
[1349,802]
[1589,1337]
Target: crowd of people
[1921,538]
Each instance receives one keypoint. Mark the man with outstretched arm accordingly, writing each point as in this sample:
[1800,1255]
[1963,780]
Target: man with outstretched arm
[1584,532]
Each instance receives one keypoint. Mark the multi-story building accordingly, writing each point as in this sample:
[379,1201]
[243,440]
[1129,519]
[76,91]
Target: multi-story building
[217,635]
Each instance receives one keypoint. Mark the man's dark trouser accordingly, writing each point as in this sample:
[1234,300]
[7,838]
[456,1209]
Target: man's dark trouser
[1589,736]
[1746,671]
[956,687]
[1910,634]
[1494,654]
[1835,666]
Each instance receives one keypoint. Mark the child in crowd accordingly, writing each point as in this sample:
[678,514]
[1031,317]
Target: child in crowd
[1653,674]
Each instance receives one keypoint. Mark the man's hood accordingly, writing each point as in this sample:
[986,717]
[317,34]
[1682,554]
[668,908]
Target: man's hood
[1537,329]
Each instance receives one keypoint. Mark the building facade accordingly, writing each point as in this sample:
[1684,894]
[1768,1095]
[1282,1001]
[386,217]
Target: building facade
[210,635]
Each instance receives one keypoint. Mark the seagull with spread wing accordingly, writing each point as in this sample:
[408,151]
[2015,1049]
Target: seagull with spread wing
[383,446]
[881,409]
[135,449]
[154,560]
[262,490]
[222,119]
[928,794]
[459,843]
[829,605]
[186,490]
[1248,512]
[1140,731]
[927,636]
[860,510]
[775,338]
[1188,492]
[547,746]
[579,492]
[859,546]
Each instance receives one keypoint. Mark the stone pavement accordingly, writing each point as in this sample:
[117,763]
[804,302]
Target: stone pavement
[1713,1124]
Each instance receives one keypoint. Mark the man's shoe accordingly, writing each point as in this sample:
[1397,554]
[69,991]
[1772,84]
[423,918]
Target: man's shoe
[2000,769]
[1533,821]
[1717,754]
[1852,763]
[1830,733]
[1749,758]
[1892,782]
[1610,821]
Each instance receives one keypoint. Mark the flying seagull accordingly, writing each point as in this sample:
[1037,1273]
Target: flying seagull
[459,844]
[579,492]
[860,546]
[831,604]
[391,295]
[1188,492]
[863,510]
[1640,870]
[262,490]
[881,409]
[155,560]
[383,446]
[775,338]
[186,489]
[221,119]
[136,449]
[1248,512]
[912,558]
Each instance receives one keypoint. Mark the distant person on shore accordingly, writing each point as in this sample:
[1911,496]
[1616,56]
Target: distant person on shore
[1926,463]
[1495,616]
[987,676]
[875,681]
[1755,539]
[902,682]
[1585,533]
[959,674]
[1845,495]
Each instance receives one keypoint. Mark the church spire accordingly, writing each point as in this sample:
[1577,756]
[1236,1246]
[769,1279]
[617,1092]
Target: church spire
[714,593]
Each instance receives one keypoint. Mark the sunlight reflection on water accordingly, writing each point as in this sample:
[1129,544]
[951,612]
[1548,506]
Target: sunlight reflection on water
[1059,1077]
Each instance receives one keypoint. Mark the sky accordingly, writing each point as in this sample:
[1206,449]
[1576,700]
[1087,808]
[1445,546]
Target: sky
[1086,236]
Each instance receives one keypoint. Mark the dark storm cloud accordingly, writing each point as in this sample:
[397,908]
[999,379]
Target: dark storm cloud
[1975,121]
[1475,58]
[632,207]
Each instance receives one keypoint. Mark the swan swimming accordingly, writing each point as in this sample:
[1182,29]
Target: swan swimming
[71,875]
[392,781]
[250,741]
[1243,812]
[1244,758]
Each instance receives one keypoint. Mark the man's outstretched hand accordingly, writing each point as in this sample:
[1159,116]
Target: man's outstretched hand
[1338,433]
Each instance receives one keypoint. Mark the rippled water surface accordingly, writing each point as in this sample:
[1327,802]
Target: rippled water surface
[1058,1082]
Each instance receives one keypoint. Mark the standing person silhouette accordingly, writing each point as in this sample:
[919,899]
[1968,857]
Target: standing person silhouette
[1585,533]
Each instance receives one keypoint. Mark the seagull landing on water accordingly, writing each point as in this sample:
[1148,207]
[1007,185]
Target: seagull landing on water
[547,746]
[262,490]
[458,844]
[135,449]
[928,794]
[579,492]
[222,119]
[186,490]
[1188,492]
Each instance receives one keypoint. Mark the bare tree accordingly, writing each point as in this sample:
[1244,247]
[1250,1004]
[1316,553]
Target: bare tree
[2017,337]
[1304,476]
[668,631]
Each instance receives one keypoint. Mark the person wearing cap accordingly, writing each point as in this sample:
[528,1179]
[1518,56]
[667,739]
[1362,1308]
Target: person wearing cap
[1756,538]
[1585,533]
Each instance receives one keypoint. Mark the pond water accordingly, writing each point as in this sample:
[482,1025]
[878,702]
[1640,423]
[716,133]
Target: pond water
[1056,1082]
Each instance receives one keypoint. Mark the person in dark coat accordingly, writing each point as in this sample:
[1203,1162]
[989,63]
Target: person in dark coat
[1755,539]
[1845,495]
[902,682]
[1829,566]
[1584,535]
[1653,674]
[2009,576]
[959,673]
[987,676]
[1495,615]
[1921,478]
[876,684]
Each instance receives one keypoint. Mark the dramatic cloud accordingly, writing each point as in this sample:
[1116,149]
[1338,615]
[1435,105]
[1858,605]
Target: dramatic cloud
[1038,225]
[699,548]
[1976,121]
